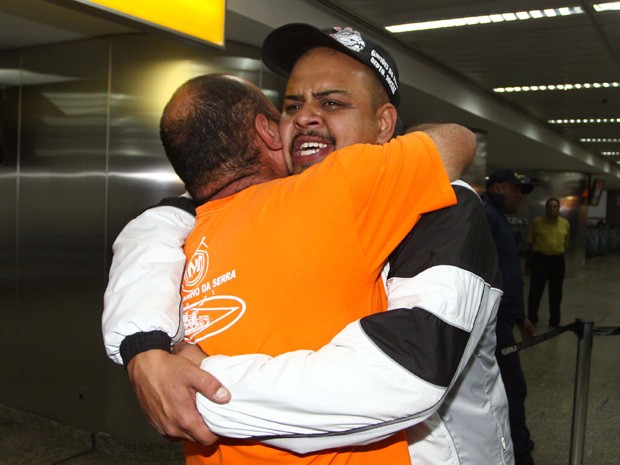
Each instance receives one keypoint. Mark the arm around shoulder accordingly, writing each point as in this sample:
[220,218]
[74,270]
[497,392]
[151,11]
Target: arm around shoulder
[456,145]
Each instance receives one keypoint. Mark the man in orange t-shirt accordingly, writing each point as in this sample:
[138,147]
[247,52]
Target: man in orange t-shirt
[247,268]
[250,288]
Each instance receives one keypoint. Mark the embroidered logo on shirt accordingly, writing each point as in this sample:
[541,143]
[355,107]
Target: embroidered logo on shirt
[211,315]
[204,313]
[196,267]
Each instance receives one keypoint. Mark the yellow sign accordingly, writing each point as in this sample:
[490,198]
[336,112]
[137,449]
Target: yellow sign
[201,20]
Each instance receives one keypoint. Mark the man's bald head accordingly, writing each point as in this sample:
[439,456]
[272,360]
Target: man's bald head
[207,128]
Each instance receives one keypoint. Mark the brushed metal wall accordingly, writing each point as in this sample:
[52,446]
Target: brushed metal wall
[79,157]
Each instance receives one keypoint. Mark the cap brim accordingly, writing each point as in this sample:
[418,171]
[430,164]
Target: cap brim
[527,188]
[284,45]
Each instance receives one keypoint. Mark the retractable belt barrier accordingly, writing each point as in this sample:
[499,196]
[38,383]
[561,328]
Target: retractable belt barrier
[585,331]
[538,339]
[606,331]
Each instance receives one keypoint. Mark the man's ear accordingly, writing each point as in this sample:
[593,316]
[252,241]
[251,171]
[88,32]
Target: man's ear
[268,131]
[497,188]
[387,117]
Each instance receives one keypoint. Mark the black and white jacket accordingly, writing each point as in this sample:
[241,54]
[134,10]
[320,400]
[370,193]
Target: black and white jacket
[427,364]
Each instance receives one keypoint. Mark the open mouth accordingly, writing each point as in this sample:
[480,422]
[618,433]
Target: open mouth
[308,150]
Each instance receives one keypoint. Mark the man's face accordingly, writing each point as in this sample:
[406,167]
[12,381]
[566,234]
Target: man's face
[512,194]
[553,209]
[328,105]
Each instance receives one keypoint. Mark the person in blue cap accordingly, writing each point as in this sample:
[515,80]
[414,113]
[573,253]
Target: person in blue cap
[504,194]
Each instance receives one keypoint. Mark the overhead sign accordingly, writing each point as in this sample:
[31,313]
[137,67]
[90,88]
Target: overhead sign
[201,20]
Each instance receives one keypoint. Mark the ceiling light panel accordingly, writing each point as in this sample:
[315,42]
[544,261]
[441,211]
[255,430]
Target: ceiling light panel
[485,19]
[555,87]
[584,121]
[609,6]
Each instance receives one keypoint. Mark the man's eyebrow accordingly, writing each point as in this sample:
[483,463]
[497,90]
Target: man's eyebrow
[328,92]
[296,98]
[324,93]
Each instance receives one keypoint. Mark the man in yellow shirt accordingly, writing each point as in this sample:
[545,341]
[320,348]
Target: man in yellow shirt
[548,238]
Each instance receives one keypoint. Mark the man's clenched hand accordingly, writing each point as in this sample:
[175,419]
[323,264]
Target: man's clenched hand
[166,385]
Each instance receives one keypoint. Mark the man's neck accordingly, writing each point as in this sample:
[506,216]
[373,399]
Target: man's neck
[233,184]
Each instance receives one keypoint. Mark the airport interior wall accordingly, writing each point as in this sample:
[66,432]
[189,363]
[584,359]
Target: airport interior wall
[80,156]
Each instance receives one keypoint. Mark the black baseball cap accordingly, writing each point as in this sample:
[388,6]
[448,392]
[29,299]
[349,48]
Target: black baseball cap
[284,45]
[512,177]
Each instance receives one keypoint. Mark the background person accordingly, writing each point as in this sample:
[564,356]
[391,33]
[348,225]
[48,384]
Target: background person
[547,239]
[505,191]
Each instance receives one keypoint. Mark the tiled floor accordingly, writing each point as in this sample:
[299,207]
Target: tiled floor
[26,439]
[549,368]
[550,371]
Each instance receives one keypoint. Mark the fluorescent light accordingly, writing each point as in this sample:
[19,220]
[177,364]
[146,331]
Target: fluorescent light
[609,6]
[485,19]
[545,87]
[584,121]
[599,140]
[610,154]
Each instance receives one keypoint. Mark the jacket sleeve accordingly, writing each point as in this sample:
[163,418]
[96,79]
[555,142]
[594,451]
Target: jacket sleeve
[142,300]
[386,371]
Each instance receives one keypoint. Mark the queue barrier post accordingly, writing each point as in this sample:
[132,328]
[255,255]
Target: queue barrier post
[585,331]
[582,383]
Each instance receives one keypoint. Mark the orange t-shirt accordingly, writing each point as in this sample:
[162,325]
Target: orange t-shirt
[287,264]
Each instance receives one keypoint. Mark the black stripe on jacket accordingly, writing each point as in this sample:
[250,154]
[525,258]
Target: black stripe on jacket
[418,340]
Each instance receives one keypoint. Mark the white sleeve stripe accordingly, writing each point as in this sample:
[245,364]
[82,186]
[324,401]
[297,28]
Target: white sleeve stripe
[343,394]
[448,292]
